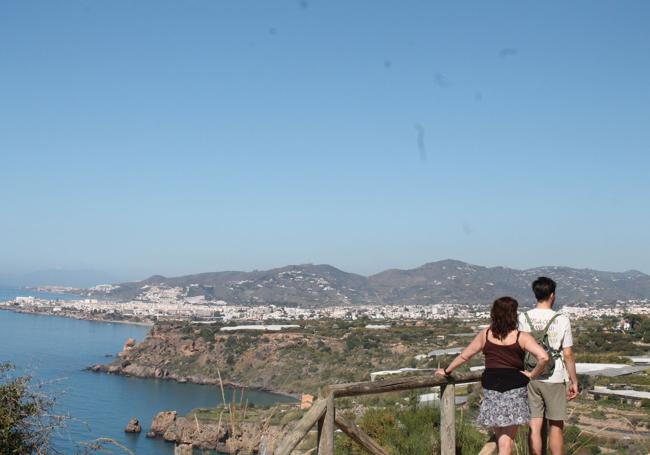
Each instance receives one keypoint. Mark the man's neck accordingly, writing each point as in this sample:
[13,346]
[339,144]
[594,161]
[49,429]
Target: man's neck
[544,305]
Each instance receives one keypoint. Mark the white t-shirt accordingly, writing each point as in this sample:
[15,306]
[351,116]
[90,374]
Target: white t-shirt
[559,337]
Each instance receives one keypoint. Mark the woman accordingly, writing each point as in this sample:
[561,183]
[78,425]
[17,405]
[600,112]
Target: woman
[504,381]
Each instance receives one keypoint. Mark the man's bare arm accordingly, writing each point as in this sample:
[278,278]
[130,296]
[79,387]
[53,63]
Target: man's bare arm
[570,363]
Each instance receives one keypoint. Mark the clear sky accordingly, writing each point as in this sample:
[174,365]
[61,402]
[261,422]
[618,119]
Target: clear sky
[171,137]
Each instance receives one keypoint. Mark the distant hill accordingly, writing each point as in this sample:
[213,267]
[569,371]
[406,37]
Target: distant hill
[458,282]
[447,281]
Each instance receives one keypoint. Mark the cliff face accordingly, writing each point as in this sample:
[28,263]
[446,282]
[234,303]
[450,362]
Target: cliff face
[299,360]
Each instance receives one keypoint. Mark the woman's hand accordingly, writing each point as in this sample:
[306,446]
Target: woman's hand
[527,374]
[440,372]
[530,345]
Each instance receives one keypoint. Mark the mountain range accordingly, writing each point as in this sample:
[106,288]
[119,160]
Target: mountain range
[448,281]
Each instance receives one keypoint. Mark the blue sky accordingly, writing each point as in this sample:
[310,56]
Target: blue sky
[184,136]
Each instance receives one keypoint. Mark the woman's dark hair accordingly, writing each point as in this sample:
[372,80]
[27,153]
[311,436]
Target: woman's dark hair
[504,317]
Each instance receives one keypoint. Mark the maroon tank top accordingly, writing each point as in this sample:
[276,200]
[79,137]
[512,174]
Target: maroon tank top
[503,356]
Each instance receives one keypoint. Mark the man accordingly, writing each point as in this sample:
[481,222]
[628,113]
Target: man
[548,395]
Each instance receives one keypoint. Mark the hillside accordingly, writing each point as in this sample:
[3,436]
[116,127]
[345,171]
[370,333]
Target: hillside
[447,281]
[458,282]
[292,361]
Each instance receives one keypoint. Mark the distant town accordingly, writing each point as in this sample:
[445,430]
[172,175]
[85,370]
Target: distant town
[170,303]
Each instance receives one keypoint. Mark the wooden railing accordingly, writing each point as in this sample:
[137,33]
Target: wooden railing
[323,413]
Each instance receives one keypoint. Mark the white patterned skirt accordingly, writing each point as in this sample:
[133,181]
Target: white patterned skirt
[502,409]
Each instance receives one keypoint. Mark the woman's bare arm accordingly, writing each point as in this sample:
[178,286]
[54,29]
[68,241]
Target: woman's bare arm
[470,351]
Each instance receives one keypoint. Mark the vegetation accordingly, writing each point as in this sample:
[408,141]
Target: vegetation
[317,353]
[642,380]
[26,420]
[639,327]
[410,431]
[605,339]
[296,360]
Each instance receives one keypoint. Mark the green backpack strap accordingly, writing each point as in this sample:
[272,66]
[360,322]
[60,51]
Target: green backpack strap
[530,323]
[548,325]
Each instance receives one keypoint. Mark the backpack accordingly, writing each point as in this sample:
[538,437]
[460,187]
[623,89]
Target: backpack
[541,336]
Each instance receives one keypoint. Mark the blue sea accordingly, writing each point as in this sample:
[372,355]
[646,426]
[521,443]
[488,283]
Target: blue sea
[56,350]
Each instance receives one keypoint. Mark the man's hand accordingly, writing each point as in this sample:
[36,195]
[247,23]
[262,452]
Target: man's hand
[527,374]
[440,372]
[572,391]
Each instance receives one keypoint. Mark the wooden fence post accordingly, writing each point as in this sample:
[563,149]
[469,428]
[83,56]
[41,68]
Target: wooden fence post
[544,436]
[326,440]
[322,413]
[319,428]
[447,420]
[292,438]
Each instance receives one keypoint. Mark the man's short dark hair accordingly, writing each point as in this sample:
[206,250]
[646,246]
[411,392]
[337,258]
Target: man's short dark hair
[543,287]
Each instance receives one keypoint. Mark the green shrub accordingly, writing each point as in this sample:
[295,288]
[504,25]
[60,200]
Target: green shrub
[207,334]
[291,416]
[26,420]
[410,431]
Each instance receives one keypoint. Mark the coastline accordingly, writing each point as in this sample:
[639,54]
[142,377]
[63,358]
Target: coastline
[112,369]
[198,380]
[79,317]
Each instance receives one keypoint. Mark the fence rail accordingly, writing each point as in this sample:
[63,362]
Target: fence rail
[323,413]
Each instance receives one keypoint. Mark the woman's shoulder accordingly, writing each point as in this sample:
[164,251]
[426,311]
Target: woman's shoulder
[482,335]
[524,337]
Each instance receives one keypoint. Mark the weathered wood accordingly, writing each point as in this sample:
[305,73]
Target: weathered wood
[321,422]
[320,409]
[489,449]
[401,383]
[447,420]
[291,440]
[326,442]
[354,432]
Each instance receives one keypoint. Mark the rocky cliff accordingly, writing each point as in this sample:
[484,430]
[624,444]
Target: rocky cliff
[255,436]
[293,361]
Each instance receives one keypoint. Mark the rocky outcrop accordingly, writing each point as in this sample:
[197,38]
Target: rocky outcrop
[183,449]
[200,435]
[161,423]
[255,361]
[133,426]
[245,437]
[295,361]
[128,344]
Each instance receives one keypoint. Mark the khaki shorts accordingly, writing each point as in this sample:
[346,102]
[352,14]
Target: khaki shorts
[547,399]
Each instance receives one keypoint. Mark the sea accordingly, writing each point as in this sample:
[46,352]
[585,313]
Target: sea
[55,351]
